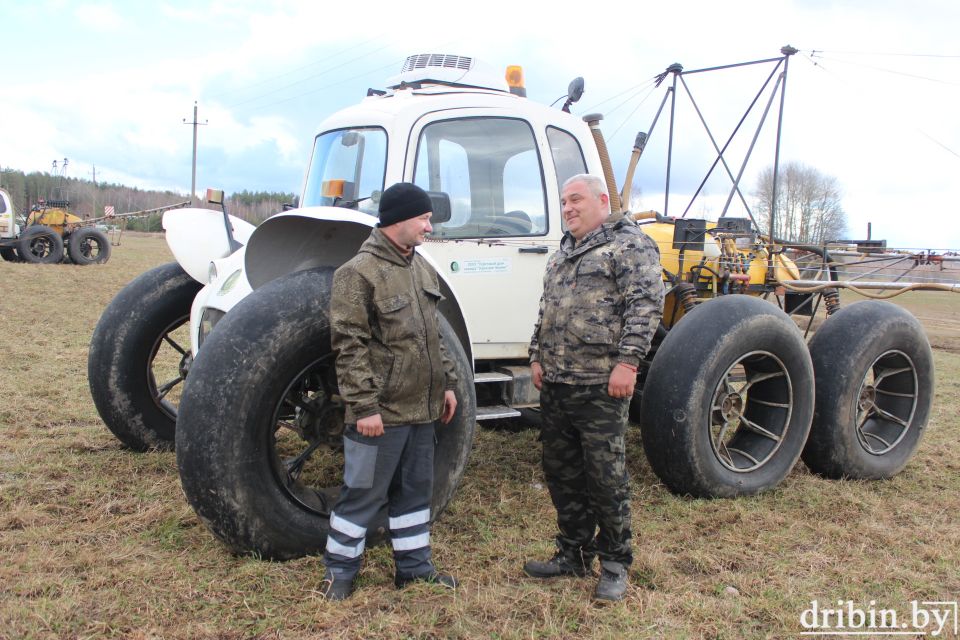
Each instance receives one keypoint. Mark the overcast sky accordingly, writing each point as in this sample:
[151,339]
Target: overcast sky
[872,96]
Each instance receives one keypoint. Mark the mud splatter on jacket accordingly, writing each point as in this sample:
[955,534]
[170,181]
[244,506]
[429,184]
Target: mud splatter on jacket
[602,300]
[385,331]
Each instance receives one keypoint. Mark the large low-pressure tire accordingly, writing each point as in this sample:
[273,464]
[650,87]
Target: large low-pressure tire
[636,402]
[39,244]
[728,400]
[874,373]
[139,356]
[259,434]
[88,246]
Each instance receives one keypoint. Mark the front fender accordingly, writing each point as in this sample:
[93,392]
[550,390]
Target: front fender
[197,237]
[304,239]
[327,237]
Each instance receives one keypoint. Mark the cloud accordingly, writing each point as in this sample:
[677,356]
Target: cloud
[99,17]
[265,74]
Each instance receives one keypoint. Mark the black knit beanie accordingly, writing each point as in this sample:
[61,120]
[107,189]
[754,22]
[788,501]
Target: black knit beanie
[401,202]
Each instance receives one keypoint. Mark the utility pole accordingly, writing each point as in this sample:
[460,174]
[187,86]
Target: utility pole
[193,174]
[94,198]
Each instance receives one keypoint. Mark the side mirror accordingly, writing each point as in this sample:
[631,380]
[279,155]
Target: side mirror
[441,206]
[575,90]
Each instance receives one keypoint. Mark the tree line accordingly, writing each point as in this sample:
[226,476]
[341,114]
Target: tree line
[88,198]
[809,202]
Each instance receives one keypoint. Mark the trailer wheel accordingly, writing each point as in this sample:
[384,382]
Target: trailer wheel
[9,254]
[39,244]
[259,434]
[874,371]
[139,356]
[88,246]
[728,400]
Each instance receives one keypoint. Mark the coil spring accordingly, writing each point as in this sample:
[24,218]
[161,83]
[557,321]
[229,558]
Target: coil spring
[831,300]
[686,296]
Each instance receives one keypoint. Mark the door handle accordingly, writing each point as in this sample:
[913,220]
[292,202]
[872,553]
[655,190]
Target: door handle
[537,249]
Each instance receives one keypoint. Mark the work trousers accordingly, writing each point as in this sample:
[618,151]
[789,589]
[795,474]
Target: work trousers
[395,468]
[584,464]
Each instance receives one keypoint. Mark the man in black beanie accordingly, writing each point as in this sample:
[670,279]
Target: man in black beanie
[397,381]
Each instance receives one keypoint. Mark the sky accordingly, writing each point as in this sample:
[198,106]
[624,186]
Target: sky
[871,97]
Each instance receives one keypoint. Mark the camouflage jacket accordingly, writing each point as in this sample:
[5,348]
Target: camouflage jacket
[386,334]
[602,301]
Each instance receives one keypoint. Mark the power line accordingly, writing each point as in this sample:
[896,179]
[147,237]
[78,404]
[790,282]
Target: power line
[308,78]
[918,129]
[817,52]
[881,53]
[932,139]
[293,71]
[394,64]
[634,90]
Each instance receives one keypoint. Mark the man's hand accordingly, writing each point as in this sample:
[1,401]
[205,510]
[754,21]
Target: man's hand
[449,406]
[622,381]
[370,426]
[537,371]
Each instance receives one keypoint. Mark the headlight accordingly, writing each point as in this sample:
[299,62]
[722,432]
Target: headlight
[208,320]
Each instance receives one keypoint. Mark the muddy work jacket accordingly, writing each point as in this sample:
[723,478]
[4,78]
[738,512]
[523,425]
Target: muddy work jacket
[385,332]
[602,301]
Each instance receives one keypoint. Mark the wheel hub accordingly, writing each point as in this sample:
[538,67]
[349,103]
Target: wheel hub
[185,363]
[731,407]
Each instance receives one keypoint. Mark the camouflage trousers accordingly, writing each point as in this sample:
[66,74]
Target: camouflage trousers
[584,463]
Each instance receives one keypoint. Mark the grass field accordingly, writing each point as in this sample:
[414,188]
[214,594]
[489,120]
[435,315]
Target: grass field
[97,541]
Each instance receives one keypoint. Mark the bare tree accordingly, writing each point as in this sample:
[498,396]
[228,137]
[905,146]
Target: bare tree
[809,208]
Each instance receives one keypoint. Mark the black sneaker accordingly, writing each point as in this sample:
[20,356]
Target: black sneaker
[613,582]
[431,577]
[332,588]
[559,565]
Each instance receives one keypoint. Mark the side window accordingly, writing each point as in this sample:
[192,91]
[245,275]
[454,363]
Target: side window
[567,155]
[490,169]
[445,169]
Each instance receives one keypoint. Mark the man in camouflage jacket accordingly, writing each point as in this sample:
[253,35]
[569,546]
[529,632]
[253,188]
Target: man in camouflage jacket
[397,380]
[602,301]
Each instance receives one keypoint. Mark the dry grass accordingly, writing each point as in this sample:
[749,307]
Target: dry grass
[99,542]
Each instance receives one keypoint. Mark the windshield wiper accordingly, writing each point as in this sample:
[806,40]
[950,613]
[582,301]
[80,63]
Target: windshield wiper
[348,204]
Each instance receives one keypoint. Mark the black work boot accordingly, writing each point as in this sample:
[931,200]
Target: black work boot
[561,564]
[613,581]
[333,588]
[431,577]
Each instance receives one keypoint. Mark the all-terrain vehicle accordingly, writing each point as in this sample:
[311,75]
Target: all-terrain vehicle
[225,353]
[50,234]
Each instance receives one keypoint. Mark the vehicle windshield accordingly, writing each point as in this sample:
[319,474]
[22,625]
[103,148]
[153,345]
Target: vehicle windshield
[347,169]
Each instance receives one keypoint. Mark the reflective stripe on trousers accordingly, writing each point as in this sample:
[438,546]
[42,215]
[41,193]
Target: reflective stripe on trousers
[397,469]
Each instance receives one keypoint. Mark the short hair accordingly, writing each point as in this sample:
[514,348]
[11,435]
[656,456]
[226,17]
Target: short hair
[596,184]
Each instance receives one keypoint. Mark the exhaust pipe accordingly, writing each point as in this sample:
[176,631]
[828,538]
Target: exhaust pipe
[593,121]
